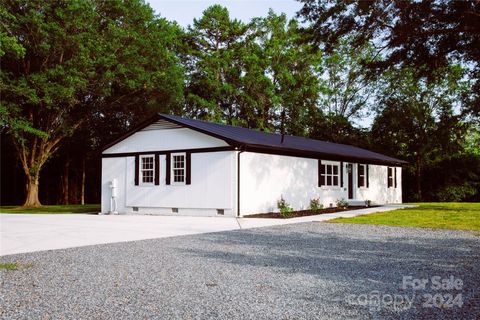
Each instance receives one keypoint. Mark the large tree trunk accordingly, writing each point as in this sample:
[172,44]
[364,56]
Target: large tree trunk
[82,197]
[32,192]
[33,153]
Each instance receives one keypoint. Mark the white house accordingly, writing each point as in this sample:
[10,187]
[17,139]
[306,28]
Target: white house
[175,166]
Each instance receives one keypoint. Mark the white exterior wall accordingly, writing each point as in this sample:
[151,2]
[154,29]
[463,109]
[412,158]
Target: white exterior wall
[167,139]
[265,178]
[213,176]
[378,190]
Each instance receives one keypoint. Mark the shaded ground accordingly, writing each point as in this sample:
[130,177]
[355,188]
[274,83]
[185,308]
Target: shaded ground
[308,271]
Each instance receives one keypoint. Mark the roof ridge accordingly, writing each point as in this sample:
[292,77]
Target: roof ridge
[259,131]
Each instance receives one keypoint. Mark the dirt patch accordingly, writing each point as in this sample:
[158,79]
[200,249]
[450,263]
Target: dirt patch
[304,213]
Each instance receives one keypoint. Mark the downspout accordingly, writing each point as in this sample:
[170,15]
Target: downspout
[238,182]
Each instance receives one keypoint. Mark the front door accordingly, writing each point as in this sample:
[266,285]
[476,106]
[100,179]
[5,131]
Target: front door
[350,180]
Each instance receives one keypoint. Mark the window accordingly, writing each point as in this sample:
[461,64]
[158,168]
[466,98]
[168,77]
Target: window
[147,169]
[178,168]
[329,175]
[362,175]
[390,178]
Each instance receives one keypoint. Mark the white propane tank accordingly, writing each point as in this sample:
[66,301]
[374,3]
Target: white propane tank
[113,200]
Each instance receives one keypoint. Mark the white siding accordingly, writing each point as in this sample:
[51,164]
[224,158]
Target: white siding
[212,186]
[167,139]
[113,168]
[378,192]
[265,178]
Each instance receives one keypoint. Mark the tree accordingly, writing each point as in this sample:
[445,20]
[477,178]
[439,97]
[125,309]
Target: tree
[246,74]
[79,59]
[289,69]
[212,65]
[426,34]
[417,120]
[347,87]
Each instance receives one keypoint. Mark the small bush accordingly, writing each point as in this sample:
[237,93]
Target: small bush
[368,203]
[285,209]
[342,203]
[315,205]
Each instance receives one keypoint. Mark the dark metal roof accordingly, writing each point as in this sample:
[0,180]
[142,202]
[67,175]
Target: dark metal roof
[259,141]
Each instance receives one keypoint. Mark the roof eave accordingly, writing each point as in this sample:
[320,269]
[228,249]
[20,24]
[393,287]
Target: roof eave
[319,155]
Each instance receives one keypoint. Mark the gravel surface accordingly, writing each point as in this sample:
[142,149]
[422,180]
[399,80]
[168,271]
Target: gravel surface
[298,271]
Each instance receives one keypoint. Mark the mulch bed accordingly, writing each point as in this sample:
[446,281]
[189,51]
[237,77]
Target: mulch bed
[304,213]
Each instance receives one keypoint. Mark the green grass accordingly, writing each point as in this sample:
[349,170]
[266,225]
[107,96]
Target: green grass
[8,266]
[443,215]
[64,209]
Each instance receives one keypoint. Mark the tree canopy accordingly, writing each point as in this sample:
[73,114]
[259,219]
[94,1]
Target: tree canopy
[401,78]
[68,61]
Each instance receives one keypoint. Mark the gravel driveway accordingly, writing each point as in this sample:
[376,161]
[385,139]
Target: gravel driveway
[306,271]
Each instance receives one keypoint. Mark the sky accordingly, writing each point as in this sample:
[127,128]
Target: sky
[183,11]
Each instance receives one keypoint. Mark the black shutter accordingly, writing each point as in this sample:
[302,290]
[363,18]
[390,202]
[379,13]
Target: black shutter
[167,169]
[157,169]
[395,175]
[137,160]
[367,174]
[188,178]
[321,170]
[341,174]
[358,175]
[388,177]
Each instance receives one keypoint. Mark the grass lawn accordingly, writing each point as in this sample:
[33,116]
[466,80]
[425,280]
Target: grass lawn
[8,266]
[444,215]
[74,208]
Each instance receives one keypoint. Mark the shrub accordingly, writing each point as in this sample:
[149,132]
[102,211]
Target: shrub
[342,203]
[285,209]
[368,203]
[456,193]
[315,205]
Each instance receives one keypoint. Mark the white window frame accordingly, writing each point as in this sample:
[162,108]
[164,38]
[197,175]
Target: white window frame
[141,170]
[172,169]
[364,175]
[333,164]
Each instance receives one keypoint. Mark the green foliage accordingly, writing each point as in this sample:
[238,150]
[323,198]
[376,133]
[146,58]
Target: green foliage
[64,62]
[456,193]
[346,85]
[342,203]
[459,179]
[315,205]
[285,208]
[246,74]
[417,121]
